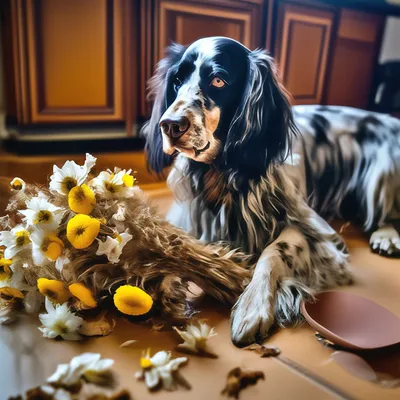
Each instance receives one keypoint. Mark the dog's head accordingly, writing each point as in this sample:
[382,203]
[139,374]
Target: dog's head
[218,102]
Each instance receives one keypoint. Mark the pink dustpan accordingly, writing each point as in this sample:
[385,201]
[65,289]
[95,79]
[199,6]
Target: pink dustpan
[352,321]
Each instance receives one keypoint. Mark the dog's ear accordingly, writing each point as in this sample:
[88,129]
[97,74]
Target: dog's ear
[261,130]
[157,160]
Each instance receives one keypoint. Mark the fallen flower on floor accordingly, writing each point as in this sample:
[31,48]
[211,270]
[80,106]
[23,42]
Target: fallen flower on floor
[86,376]
[60,321]
[161,371]
[128,343]
[237,380]
[87,366]
[264,351]
[195,338]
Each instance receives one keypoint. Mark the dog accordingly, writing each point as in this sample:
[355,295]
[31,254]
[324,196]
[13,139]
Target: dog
[250,170]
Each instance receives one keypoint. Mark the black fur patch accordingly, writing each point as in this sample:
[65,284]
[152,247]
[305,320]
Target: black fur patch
[367,130]
[321,126]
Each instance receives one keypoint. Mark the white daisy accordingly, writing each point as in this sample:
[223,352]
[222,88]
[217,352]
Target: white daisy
[15,241]
[87,365]
[60,321]
[40,213]
[17,184]
[195,338]
[113,247]
[115,184]
[70,175]
[160,369]
[46,246]
[16,279]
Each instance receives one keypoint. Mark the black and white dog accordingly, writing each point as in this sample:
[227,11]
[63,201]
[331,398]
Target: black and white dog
[252,171]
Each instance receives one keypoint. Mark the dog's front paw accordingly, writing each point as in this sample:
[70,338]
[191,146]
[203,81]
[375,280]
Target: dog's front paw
[252,317]
[386,241]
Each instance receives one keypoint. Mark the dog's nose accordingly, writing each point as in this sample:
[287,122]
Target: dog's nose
[175,128]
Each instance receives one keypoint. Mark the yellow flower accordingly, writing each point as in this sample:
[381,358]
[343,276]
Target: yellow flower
[132,300]
[81,292]
[54,290]
[17,184]
[46,246]
[11,292]
[81,199]
[82,230]
[5,270]
[128,180]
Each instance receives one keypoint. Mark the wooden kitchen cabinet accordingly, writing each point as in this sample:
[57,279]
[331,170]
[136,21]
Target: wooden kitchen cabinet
[73,61]
[67,60]
[354,58]
[302,49]
[186,21]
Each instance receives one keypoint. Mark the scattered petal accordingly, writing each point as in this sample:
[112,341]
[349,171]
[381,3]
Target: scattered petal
[128,343]
[264,351]
[237,380]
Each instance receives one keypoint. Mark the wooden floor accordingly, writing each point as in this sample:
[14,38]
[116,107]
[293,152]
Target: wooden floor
[305,370]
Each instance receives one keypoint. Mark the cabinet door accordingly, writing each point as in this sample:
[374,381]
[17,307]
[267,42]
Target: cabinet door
[304,36]
[354,59]
[185,22]
[74,60]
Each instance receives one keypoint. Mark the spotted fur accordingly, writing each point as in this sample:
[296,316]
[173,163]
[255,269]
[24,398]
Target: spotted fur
[278,171]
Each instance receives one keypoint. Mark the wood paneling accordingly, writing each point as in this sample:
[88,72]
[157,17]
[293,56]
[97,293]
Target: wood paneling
[354,59]
[303,51]
[185,22]
[75,64]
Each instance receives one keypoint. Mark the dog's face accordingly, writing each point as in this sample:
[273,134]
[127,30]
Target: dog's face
[203,92]
[217,102]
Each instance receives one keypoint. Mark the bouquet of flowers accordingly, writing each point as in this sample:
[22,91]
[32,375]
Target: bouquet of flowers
[89,244]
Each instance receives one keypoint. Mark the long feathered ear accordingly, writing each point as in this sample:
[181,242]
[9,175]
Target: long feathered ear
[261,130]
[157,160]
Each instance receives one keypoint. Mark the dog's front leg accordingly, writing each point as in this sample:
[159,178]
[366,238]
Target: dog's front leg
[254,313]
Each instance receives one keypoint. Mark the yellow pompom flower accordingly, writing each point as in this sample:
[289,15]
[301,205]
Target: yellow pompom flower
[128,180]
[54,290]
[5,270]
[81,199]
[81,292]
[11,292]
[82,230]
[132,300]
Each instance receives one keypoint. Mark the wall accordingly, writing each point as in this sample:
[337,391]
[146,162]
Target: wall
[391,44]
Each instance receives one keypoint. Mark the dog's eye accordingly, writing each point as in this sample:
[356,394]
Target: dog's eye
[217,82]
[177,83]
